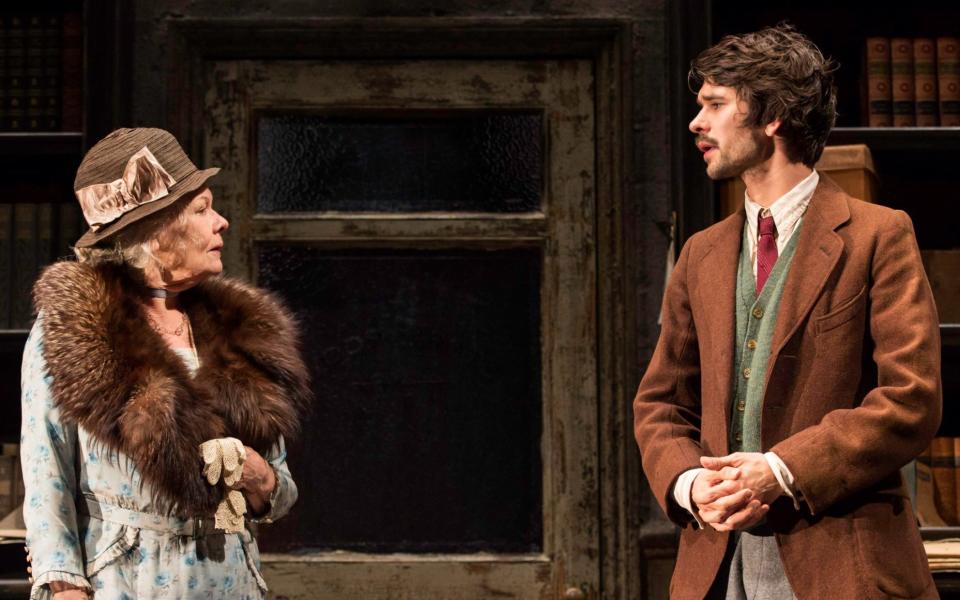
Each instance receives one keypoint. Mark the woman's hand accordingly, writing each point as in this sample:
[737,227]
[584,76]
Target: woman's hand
[257,481]
[61,589]
[65,591]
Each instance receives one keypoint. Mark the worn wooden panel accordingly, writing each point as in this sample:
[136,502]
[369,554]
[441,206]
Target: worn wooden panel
[481,161]
[563,91]
[338,576]
[460,226]
[236,90]
[428,425]
[569,343]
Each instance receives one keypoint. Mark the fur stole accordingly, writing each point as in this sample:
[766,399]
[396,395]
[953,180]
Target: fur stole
[114,376]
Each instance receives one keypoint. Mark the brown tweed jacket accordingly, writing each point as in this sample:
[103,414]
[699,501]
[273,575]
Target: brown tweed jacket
[853,393]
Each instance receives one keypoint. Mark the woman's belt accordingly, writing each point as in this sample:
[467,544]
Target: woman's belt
[195,527]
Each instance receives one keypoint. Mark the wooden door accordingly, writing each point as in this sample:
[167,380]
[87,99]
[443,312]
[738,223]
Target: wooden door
[432,223]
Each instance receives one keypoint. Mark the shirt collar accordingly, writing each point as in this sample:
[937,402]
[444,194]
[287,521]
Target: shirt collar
[787,209]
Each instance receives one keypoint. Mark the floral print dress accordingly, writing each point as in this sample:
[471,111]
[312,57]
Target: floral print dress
[91,522]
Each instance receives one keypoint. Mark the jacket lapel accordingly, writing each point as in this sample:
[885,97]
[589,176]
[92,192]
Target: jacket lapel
[818,250]
[717,286]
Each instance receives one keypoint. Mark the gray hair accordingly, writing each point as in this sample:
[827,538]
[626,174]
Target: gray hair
[137,246]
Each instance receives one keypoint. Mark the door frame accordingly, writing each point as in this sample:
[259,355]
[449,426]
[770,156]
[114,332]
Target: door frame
[607,43]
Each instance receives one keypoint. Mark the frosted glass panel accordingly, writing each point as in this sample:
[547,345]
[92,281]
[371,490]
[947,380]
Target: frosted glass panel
[425,435]
[475,162]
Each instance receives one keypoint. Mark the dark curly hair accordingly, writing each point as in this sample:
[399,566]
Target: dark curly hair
[782,75]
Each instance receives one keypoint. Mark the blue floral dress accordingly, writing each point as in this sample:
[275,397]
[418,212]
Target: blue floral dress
[126,551]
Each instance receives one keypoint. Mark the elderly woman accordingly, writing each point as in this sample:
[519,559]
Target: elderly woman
[139,358]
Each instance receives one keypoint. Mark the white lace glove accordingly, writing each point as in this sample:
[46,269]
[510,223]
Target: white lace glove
[223,460]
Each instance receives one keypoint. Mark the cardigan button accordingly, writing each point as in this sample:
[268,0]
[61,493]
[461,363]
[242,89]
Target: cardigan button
[746,373]
[752,344]
[758,311]
[741,406]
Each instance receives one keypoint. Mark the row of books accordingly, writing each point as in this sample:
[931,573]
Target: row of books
[41,72]
[913,82]
[936,490]
[943,271]
[31,237]
[11,479]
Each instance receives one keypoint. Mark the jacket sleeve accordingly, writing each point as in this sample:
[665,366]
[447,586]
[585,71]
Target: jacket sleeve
[47,454]
[285,494]
[666,410]
[851,449]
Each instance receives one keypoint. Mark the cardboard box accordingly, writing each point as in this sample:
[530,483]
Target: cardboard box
[943,271]
[851,167]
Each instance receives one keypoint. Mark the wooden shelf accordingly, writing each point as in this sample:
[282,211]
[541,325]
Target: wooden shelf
[950,334]
[15,588]
[948,582]
[898,138]
[51,143]
[12,341]
[939,533]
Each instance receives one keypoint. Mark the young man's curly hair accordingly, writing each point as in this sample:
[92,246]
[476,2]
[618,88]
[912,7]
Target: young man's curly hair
[782,75]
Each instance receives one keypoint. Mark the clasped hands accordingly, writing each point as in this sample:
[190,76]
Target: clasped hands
[734,491]
[257,481]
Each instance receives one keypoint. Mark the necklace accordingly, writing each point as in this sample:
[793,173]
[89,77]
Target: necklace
[160,293]
[176,332]
[193,345]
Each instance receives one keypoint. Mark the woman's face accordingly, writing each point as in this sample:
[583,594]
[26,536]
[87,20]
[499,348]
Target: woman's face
[197,256]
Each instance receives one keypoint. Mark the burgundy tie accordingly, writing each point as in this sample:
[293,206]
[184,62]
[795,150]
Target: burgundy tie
[766,251]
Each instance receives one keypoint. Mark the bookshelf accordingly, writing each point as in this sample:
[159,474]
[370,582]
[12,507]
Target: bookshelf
[916,166]
[899,138]
[78,53]
[54,143]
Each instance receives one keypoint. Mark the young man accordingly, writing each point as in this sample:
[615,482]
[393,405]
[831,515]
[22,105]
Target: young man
[798,366]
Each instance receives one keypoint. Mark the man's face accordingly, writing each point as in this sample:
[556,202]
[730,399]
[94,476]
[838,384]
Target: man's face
[729,147]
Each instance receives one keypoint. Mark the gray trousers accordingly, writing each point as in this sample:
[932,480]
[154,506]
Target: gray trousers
[756,572]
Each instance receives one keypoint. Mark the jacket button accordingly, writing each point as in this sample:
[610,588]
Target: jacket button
[738,437]
[752,344]
[741,406]
[758,311]
[746,373]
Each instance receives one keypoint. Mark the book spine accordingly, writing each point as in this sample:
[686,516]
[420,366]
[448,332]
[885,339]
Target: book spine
[901,78]
[8,486]
[4,26]
[879,97]
[52,55]
[925,81]
[24,262]
[948,80]
[942,463]
[909,474]
[44,237]
[71,103]
[34,72]
[19,490]
[16,74]
[954,444]
[926,507]
[6,263]
[70,228]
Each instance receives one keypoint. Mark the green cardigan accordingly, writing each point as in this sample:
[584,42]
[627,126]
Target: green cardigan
[756,319]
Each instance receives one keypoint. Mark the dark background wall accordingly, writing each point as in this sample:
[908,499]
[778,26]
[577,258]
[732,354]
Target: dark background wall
[650,182]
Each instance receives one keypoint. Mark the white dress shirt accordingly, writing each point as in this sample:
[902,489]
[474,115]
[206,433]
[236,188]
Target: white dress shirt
[787,212]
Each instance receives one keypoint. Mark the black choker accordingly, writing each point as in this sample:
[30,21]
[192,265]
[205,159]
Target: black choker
[161,293]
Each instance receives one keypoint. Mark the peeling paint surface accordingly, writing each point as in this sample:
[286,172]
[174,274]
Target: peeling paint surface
[565,228]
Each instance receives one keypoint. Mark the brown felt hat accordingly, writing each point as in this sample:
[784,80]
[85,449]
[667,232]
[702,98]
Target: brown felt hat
[132,174]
